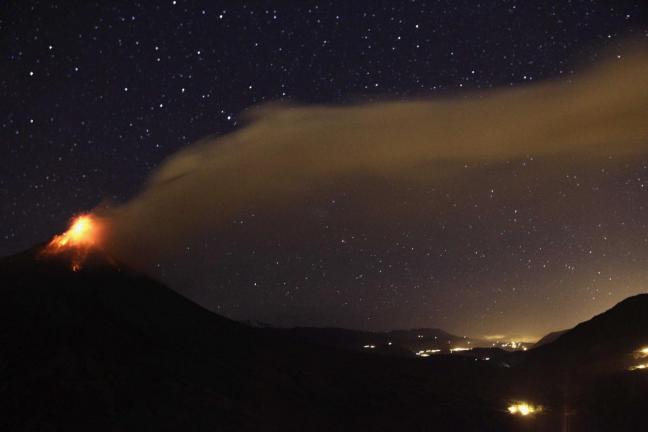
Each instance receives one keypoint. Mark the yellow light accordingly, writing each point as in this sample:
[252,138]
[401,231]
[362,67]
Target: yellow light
[80,227]
[523,409]
[427,352]
[644,351]
[638,367]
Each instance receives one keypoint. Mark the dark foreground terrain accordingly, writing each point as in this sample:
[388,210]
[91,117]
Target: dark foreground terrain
[107,349]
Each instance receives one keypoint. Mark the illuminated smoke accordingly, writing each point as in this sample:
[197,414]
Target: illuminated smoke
[288,152]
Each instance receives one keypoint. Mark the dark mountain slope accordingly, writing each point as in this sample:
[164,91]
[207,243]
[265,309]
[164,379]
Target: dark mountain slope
[84,349]
[583,375]
[607,342]
[549,337]
[106,349]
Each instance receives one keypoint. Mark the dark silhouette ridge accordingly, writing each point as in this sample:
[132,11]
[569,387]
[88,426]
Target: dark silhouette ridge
[106,348]
[605,342]
[549,337]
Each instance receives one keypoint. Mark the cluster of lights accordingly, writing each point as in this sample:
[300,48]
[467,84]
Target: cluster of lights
[640,353]
[369,346]
[427,352]
[514,345]
[459,349]
[523,409]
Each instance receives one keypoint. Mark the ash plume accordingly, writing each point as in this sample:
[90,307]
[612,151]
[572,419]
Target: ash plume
[287,153]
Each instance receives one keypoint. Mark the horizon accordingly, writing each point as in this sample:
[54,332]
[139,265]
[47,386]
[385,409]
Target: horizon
[78,251]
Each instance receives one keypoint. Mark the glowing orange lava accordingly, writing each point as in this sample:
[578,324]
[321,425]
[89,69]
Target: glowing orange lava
[84,233]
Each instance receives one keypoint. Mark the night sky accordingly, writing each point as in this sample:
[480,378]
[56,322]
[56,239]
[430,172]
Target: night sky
[96,96]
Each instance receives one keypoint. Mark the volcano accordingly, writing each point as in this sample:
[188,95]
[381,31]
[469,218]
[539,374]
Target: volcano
[105,348]
[76,343]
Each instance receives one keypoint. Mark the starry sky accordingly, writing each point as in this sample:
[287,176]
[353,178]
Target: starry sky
[96,96]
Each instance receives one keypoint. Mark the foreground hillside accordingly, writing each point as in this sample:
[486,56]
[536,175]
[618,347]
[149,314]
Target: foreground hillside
[107,349]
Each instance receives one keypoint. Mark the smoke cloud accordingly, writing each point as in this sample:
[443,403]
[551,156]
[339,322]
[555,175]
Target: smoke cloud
[288,153]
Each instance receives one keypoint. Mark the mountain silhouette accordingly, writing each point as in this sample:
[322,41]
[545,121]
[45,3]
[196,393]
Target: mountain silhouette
[106,348]
[75,343]
[549,337]
[584,374]
[607,342]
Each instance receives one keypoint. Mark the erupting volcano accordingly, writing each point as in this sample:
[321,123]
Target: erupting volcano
[85,233]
